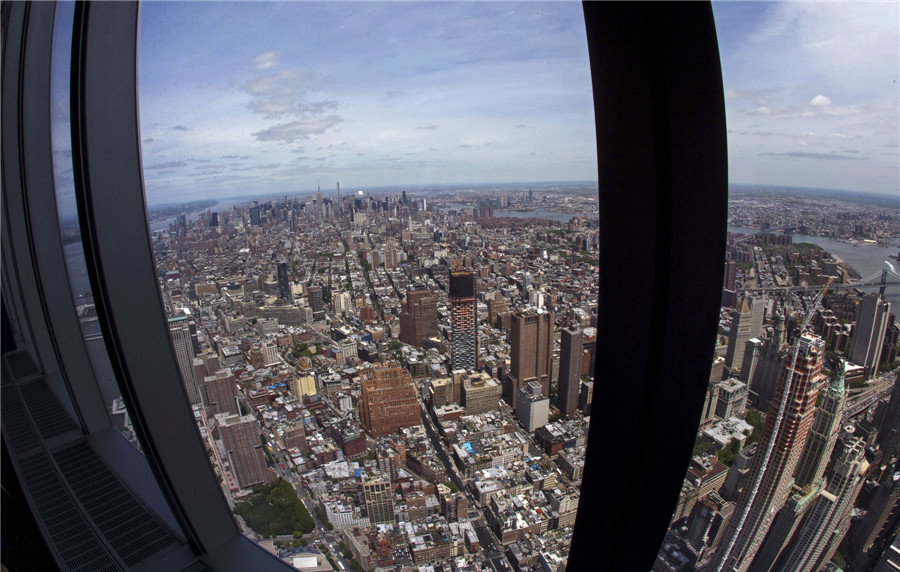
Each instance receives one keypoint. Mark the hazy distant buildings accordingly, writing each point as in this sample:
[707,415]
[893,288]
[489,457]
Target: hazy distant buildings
[463,321]
[531,350]
[868,336]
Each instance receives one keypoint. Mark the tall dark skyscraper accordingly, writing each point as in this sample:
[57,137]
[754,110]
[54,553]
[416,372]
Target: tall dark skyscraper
[463,321]
[418,317]
[771,472]
[284,285]
[316,303]
[569,369]
[868,336]
[531,351]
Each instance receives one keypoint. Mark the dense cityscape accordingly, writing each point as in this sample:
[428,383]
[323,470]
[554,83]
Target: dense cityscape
[418,369]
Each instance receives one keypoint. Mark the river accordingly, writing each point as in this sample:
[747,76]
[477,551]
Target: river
[866,260]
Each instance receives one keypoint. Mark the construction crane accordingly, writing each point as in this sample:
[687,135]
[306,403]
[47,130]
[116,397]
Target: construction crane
[770,446]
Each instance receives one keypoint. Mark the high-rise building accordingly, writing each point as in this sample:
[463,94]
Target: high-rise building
[731,399]
[889,429]
[532,407]
[747,323]
[418,317]
[284,284]
[317,303]
[388,400]
[874,532]
[180,333]
[480,393]
[772,468]
[569,370]
[829,518]
[379,497]
[240,436]
[823,433]
[868,336]
[765,367]
[531,350]
[586,398]
[496,306]
[785,524]
[217,392]
[463,321]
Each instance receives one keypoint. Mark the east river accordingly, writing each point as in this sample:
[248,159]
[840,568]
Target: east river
[866,260]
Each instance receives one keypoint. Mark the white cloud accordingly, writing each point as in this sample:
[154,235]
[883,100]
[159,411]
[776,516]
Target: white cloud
[295,130]
[266,60]
[820,101]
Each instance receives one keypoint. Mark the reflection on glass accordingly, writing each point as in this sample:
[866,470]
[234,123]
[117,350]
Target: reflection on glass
[377,251]
[67,210]
[796,459]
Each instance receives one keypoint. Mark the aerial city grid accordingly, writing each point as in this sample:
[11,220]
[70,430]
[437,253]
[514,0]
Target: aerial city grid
[398,374]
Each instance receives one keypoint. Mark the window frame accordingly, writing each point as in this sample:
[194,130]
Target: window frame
[662,156]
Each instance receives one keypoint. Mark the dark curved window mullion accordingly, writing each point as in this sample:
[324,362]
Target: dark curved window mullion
[110,195]
[661,146]
[63,356]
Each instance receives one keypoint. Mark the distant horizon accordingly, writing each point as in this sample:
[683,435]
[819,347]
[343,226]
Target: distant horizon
[329,191]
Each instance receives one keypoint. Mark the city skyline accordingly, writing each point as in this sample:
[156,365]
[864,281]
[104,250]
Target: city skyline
[283,95]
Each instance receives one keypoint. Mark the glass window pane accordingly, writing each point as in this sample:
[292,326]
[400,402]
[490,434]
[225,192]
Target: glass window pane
[795,443]
[375,229]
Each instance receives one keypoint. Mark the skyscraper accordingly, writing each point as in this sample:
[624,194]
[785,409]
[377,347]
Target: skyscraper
[782,440]
[868,336]
[889,430]
[875,531]
[217,392]
[570,354]
[240,436]
[830,516]
[823,433]
[531,350]
[418,317]
[379,497]
[316,303]
[284,285]
[388,400]
[747,323]
[463,321]
[180,333]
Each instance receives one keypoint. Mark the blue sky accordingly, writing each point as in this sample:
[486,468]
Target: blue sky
[268,98]
[811,93]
